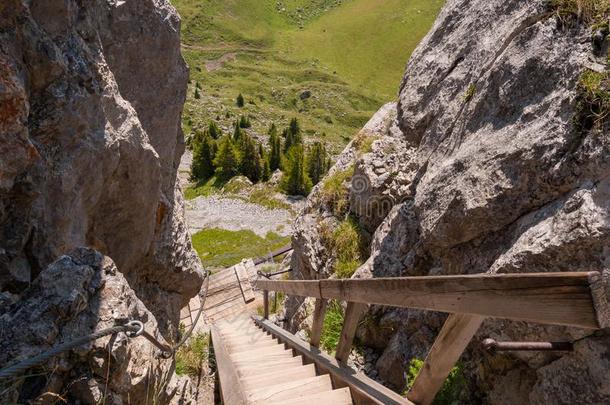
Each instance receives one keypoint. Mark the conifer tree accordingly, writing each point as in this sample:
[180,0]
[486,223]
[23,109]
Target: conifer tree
[317,162]
[203,159]
[237,132]
[250,160]
[226,162]
[213,130]
[266,175]
[240,101]
[275,149]
[296,181]
[244,122]
[197,95]
[292,134]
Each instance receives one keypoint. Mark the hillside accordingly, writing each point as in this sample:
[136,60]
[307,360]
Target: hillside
[330,63]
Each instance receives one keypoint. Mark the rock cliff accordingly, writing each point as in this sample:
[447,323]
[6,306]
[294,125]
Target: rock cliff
[496,158]
[90,141]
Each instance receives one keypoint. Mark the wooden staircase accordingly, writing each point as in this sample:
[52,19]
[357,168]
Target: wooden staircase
[255,368]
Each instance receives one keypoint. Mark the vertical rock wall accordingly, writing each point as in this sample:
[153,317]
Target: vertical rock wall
[90,100]
[485,164]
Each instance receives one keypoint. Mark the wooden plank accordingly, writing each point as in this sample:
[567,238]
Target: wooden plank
[550,298]
[266,304]
[353,313]
[318,321]
[230,384]
[244,282]
[451,342]
[363,389]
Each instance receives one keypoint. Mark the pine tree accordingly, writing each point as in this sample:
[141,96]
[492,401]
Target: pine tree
[226,162]
[237,132]
[293,135]
[197,95]
[244,122]
[203,159]
[250,160]
[275,149]
[317,162]
[266,175]
[214,130]
[296,181]
[240,101]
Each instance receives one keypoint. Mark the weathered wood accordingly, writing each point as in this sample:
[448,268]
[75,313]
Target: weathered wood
[244,282]
[353,313]
[363,389]
[600,290]
[266,303]
[318,322]
[550,298]
[453,338]
[229,379]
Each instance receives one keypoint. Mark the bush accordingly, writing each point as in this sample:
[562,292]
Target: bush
[190,357]
[331,328]
[335,192]
[239,101]
[453,386]
[346,242]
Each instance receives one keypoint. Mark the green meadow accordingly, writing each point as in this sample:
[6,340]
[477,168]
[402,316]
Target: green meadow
[348,56]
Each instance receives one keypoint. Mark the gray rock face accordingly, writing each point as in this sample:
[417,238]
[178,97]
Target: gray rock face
[490,171]
[90,142]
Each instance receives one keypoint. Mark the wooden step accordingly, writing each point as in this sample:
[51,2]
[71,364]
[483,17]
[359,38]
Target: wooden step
[255,357]
[236,348]
[250,370]
[335,397]
[259,351]
[279,376]
[267,347]
[292,390]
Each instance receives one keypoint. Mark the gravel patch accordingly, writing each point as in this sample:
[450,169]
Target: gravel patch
[235,215]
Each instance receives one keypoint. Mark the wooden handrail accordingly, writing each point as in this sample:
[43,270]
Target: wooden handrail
[577,299]
[548,298]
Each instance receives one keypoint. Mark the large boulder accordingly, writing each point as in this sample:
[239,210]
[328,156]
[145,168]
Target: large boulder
[90,141]
[497,171]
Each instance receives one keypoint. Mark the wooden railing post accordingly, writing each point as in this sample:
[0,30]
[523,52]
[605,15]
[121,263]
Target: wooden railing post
[266,303]
[318,321]
[451,342]
[353,313]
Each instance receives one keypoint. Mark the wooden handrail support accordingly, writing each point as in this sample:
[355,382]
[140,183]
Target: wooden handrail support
[233,392]
[363,389]
[578,299]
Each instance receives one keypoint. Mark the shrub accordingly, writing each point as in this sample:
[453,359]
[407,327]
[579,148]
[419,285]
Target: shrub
[190,357]
[239,101]
[335,191]
[593,105]
[331,328]
[346,242]
[449,393]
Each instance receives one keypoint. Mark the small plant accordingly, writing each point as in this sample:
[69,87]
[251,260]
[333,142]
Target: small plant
[470,92]
[239,101]
[335,191]
[364,142]
[592,12]
[346,242]
[449,393]
[331,328]
[197,95]
[190,357]
[593,105]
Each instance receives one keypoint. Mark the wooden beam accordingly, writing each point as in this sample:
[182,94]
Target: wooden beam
[230,384]
[266,303]
[353,313]
[549,298]
[241,273]
[451,342]
[363,389]
[318,322]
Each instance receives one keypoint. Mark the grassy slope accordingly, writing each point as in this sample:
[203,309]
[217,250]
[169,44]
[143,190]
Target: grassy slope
[329,48]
